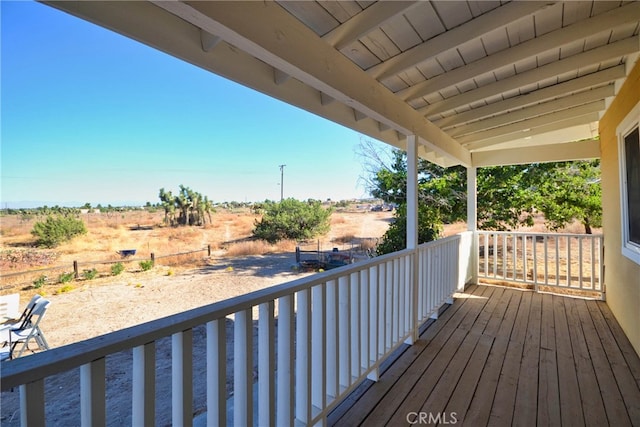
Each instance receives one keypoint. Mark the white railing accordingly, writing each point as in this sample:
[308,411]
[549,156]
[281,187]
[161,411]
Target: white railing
[551,260]
[317,338]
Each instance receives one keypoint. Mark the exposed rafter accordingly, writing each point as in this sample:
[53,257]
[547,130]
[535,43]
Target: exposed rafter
[365,22]
[581,83]
[531,132]
[551,107]
[483,24]
[531,48]
[572,63]
[552,117]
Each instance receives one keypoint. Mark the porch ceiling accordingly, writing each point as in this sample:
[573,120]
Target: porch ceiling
[479,82]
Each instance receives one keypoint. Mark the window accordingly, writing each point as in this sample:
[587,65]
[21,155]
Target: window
[629,135]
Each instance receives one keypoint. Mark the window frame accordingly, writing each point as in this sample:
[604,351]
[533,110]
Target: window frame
[630,123]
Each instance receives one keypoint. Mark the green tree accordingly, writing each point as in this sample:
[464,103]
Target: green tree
[508,196]
[395,238]
[292,219]
[57,229]
[570,191]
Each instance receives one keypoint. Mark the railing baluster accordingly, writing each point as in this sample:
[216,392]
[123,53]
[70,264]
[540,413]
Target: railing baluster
[182,378]
[580,240]
[144,385]
[389,313]
[515,257]
[32,404]
[332,357]
[318,347]
[593,263]
[92,393]
[303,356]
[374,327]
[395,330]
[365,325]
[382,304]
[568,262]
[266,365]
[355,329]
[344,322]
[284,383]
[216,372]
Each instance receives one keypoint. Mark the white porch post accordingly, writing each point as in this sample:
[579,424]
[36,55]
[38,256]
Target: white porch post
[412,227]
[472,217]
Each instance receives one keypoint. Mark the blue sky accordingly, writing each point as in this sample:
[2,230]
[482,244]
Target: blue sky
[88,115]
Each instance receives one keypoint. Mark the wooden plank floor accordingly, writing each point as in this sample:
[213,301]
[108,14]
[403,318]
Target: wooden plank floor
[500,357]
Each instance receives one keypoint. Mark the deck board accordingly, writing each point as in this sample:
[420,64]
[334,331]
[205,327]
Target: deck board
[501,356]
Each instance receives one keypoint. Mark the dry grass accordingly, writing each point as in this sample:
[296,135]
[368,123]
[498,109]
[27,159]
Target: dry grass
[229,234]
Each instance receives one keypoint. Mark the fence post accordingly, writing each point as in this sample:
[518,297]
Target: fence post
[75,269]
[208,250]
[153,259]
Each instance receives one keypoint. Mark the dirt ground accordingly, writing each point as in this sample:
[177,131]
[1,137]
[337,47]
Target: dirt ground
[100,307]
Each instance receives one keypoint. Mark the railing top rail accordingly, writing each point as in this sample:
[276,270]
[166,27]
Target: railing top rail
[60,359]
[529,233]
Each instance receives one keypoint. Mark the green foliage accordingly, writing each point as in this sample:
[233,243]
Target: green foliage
[571,190]
[508,196]
[65,277]
[90,274]
[40,282]
[146,265]
[292,219]
[117,268]
[57,229]
[395,238]
[188,207]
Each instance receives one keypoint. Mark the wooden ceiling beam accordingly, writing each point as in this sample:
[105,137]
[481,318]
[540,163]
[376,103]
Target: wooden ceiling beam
[553,40]
[364,22]
[490,21]
[550,92]
[553,69]
[551,107]
[531,132]
[582,150]
[552,117]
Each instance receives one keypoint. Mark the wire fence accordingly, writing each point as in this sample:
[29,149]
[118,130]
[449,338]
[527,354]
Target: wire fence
[77,269]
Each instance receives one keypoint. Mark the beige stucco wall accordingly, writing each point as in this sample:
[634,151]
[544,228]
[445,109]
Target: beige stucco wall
[622,276]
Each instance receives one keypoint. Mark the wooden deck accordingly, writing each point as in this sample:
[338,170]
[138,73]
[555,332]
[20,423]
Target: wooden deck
[500,357]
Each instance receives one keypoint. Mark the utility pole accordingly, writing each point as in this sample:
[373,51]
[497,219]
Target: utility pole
[282,182]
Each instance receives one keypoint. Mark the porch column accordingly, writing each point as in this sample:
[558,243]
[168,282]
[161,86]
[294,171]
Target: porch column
[472,217]
[412,227]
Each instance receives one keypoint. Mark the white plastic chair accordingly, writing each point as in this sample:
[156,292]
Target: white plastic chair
[27,311]
[30,330]
[9,307]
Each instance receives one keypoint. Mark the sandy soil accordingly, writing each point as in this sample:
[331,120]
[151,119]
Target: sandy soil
[98,308]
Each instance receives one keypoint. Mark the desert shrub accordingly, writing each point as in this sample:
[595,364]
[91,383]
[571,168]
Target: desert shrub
[40,282]
[395,239]
[117,268]
[65,277]
[90,274]
[292,219]
[57,229]
[146,265]
[65,288]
